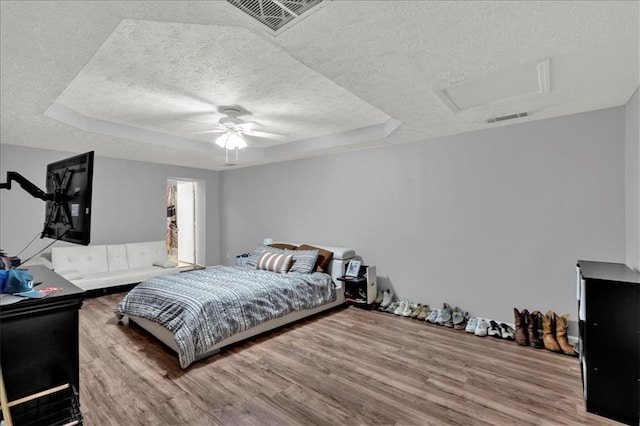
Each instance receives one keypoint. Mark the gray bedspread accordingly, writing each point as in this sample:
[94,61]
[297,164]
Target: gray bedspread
[202,308]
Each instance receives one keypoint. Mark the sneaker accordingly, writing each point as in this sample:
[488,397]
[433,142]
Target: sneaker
[494,330]
[392,307]
[416,311]
[387,298]
[507,331]
[378,299]
[362,295]
[449,323]
[408,309]
[433,315]
[460,319]
[481,328]
[424,311]
[471,325]
[444,315]
[401,307]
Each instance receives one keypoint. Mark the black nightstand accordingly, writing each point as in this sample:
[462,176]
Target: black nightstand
[362,290]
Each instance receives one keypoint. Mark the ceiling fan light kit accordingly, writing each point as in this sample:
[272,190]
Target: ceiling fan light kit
[229,140]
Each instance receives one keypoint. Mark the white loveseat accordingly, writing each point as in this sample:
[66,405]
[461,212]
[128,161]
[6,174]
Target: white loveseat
[101,266]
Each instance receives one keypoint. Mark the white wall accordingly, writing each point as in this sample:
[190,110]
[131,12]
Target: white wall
[487,220]
[129,201]
[632,182]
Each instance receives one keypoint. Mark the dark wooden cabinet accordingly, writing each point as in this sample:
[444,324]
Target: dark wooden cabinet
[39,340]
[609,313]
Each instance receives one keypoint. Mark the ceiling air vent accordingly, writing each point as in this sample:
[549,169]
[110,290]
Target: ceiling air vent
[275,14]
[507,117]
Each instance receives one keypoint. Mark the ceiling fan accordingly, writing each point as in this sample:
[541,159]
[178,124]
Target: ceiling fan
[234,128]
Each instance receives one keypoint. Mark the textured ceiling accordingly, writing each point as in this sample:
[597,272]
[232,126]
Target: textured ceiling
[142,80]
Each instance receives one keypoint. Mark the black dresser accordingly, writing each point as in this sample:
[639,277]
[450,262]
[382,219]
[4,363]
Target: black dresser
[39,345]
[609,313]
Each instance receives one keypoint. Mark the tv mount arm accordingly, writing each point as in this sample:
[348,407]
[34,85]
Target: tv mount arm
[56,197]
[27,185]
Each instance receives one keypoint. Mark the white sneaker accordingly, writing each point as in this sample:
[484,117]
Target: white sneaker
[403,307]
[387,297]
[481,328]
[378,298]
[408,310]
[494,330]
[507,331]
[471,325]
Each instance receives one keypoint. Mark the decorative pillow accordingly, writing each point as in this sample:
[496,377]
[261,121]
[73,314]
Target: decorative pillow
[274,262]
[324,257]
[283,246]
[260,248]
[304,261]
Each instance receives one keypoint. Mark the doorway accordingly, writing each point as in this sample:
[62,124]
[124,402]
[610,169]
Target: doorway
[183,222]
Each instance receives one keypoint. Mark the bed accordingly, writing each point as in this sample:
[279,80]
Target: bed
[198,313]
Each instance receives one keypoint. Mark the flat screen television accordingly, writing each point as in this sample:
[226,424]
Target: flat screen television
[68,210]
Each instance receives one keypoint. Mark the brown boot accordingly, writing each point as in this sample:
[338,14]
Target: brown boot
[562,323]
[534,324]
[549,333]
[520,321]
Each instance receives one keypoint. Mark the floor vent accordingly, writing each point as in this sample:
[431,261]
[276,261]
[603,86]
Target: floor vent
[507,117]
[275,14]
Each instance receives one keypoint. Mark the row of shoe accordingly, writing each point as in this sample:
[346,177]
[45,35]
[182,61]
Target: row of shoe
[547,331]
[531,329]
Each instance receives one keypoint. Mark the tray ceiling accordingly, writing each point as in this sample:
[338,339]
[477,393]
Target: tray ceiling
[143,80]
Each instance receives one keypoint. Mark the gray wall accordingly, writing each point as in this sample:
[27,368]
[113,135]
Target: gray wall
[632,182]
[487,220]
[129,201]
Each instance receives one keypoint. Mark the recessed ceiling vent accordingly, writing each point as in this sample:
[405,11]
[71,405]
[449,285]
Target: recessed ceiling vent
[507,117]
[275,14]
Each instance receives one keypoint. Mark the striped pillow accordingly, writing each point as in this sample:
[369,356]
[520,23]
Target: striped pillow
[304,261]
[261,248]
[274,262]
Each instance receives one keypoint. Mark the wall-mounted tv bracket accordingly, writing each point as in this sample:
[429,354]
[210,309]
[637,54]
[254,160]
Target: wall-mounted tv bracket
[58,208]
[57,197]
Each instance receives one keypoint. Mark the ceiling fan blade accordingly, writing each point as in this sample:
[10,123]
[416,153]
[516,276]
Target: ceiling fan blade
[211,131]
[248,124]
[267,135]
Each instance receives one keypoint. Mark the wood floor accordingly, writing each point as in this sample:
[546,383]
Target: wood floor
[348,366]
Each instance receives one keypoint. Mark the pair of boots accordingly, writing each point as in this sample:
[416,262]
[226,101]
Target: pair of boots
[527,328]
[554,331]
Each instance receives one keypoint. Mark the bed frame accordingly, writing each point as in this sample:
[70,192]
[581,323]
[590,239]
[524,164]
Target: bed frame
[341,257]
